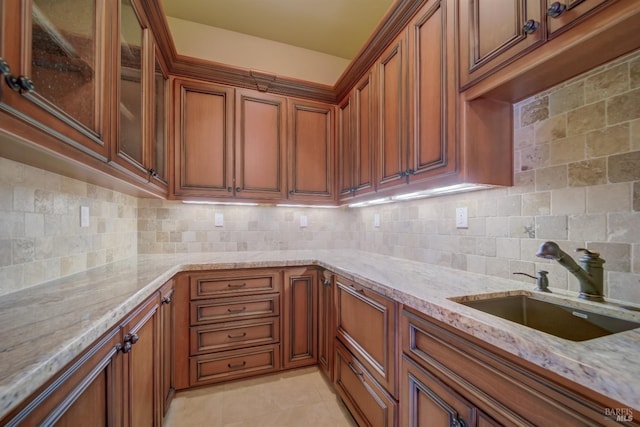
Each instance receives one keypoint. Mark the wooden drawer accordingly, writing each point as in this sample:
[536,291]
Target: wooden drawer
[228,283]
[225,309]
[367,401]
[226,365]
[366,324]
[232,335]
[507,392]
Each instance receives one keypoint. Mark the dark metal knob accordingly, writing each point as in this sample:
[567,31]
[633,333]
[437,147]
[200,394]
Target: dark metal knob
[133,338]
[410,172]
[153,172]
[5,70]
[238,189]
[556,9]
[166,299]
[26,84]
[530,26]
[229,189]
[326,282]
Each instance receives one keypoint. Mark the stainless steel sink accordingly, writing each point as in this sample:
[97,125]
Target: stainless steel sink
[575,324]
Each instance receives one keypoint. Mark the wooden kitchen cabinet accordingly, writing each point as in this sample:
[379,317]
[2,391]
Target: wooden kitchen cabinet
[447,373]
[88,390]
[311,152]
[260,145]
[392,114]
[432,93]
[366,323]
[356,139]
[300,317]
[369,403]
[563,14]
[203,139]
[57,60]
[326,330]
[167,347]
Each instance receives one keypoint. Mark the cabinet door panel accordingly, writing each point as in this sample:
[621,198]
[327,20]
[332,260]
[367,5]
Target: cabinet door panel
[326,331]
[260,145]
[364,134]
[392,114]
[204,144]
[167,354]
[345,149]
[311,152]
[492,34]
[300,340]
[432,93]
[575,11]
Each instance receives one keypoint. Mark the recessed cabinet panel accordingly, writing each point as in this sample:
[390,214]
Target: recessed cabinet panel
[345,149]
[260,145]
[561,18]
[364,134]
[494,32]
[159,164]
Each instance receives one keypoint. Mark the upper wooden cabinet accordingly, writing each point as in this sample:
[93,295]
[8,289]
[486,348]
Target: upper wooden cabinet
[494,32]
[203,139]
[356,139]
[58,69]
[564,13]
[311,152]
[392,114]
[260,145]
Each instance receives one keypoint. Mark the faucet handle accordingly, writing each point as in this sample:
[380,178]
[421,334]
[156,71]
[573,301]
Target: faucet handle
[588,253]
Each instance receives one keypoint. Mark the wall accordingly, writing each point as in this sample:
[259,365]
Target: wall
[577,182]
[244,51]
[169,226]
[40,234]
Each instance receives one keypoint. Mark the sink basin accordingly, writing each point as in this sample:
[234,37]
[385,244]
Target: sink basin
[575,324]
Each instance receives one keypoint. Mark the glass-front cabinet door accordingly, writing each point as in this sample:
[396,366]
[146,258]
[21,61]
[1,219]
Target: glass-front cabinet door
[55,69]
[159,142]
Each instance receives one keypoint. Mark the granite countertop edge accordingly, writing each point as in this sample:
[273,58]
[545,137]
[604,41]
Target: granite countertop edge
[605,365]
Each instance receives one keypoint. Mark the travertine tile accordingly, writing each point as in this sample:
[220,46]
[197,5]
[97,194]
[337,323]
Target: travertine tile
[523,137]
[636,196]
[522,227]
[568,98]
[5,252]
[588,227]
[534,111]
[623,227]
[616,255]
[623,107]
[624,167]
[609,198]
[508,248]
[567,150]
[534,157]
[623,286]
[568,201]
[634,73]
[588,172]
[534,204]
[610,82]
[585,119]
[552,227]
[524,182]
[552,129]
[635,135]
[610,140]
[551,178]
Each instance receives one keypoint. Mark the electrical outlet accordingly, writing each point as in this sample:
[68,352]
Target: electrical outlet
[462,219]
[84,216]
[304,222]
[219,220]
[376,220]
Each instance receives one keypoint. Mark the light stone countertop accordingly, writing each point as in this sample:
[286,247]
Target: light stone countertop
[45,327]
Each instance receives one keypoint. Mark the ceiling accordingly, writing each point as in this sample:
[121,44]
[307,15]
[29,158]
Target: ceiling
[335,27]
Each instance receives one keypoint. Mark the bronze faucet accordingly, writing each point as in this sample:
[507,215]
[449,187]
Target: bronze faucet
[590,276]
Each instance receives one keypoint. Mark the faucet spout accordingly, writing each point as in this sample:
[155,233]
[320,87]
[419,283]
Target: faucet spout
[590,275]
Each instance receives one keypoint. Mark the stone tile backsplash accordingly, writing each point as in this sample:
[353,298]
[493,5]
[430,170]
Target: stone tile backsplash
[40,234]
[577,181]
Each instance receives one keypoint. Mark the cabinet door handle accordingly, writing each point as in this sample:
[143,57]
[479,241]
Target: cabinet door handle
[166,299]
[238,189]
[129,341]
[355,371]
[236,310]
[237,366]
[237,286]
[556,9]
[229,189]
[530,26]
[326,282]
[235,337]
[457,422]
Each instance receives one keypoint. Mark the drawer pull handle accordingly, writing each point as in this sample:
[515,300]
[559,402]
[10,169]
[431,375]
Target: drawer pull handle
[236,286]
[242,335]
[238,366]
[355,371]
[236,310]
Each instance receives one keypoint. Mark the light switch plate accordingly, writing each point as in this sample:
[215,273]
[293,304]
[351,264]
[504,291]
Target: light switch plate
[304,222]
[84,216]
[462,219]
[219,219]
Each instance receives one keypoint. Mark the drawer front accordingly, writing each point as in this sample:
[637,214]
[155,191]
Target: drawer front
[366,324]
[227,283]
[367,401]
[212,368]
[229,336]
[225,309]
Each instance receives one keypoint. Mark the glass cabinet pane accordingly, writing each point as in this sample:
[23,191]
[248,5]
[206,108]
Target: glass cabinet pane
[160,82]
[131,58]
[64,58]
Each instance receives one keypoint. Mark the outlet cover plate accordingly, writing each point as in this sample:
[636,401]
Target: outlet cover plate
[462,218]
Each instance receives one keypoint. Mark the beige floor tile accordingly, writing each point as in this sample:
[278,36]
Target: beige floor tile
[301,397]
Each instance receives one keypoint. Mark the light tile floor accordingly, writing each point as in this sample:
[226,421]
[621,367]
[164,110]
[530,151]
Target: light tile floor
[301,397]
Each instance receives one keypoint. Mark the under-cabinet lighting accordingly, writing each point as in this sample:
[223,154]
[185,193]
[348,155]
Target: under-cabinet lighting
[204,202]
[287,205]
[450,189]
[371,202]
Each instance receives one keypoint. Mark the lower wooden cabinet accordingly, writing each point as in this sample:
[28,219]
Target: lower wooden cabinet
[326,330]
[368,402]
[226,365]
[167,351]
[300,337]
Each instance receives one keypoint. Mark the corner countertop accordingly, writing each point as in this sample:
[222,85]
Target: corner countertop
[47,326]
